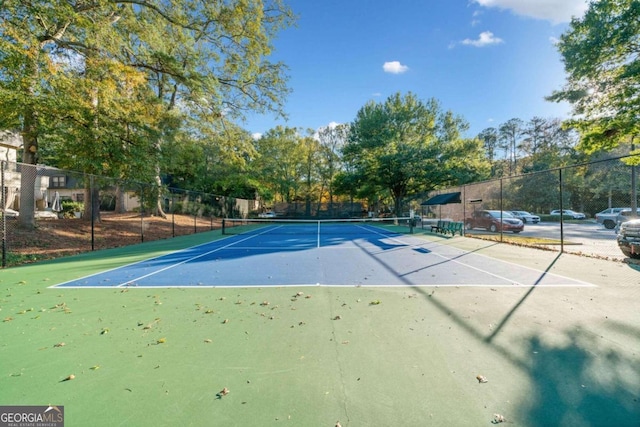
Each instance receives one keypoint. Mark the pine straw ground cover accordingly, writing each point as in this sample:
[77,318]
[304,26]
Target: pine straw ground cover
[55,238]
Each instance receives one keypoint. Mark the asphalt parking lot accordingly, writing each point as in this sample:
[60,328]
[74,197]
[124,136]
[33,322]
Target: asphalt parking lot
[582,237]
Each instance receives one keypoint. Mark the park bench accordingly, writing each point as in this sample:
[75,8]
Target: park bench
[448,227]
[454,227]
[440,226]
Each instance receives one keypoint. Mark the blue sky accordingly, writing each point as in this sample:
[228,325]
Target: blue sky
[486,60]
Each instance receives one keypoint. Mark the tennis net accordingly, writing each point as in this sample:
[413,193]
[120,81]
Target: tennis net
[363,226]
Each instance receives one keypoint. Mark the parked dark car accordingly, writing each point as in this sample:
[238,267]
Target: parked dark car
[494,221]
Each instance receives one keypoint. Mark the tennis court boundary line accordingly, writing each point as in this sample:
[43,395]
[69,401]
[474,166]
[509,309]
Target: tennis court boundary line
[320,285]
[61,285]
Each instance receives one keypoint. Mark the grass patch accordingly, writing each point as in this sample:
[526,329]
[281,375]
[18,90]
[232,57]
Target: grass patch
[519,240]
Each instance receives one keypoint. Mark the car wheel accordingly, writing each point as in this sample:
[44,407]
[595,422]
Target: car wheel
[493,228]
[609,224]
[468,226]
[524,220]
[632,255]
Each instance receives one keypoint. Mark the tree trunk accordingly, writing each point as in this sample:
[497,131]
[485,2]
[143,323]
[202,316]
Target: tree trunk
[159,209]
[28,173]
[91,202]
[120,206]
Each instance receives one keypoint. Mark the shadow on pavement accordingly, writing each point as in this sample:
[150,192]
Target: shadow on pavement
[584,381]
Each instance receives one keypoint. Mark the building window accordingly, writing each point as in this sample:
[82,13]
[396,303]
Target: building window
[58,181]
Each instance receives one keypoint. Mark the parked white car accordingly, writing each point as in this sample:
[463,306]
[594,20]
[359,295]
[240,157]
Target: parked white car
[269,214]
[46,215]
[569,213]
[526,217]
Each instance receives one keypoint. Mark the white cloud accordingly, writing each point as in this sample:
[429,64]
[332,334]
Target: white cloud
[394,67]
[485,38]
[256,136]
[556,11]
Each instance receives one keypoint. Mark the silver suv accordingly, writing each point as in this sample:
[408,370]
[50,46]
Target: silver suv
[609,217]
[624,216]
[629,238]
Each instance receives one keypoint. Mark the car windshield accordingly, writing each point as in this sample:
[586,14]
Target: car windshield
[496,214]
[627,212]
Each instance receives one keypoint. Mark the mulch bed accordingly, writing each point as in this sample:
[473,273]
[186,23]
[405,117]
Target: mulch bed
[55,238]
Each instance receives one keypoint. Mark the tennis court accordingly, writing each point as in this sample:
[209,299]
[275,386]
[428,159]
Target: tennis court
[321,253]
[283,324]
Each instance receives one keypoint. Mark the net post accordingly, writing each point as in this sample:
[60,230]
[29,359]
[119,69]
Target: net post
[223,226]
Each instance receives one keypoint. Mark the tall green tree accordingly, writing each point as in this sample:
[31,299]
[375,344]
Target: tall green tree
[601,55]
[310,172]
[510,134]
[279,161]
[408,147]
[198,158]
[201,58]
[332,140]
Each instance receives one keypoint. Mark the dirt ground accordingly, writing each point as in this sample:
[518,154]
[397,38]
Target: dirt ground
[54,238]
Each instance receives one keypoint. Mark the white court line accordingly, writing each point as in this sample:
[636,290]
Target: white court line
[127,283]
[130,284]
[326,285]
[151,259]
[544,272]
[465,253]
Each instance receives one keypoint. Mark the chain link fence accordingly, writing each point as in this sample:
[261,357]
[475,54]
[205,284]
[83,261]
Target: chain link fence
[591,195]
[49,212]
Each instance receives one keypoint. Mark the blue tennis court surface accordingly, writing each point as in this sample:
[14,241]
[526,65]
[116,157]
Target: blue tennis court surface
[304,255]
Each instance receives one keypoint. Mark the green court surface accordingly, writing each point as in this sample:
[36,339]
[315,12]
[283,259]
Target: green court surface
[315,356]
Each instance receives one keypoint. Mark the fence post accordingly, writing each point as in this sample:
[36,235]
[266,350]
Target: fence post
[561,211]
[501,210]
[4,216]
[173,216]
[92,213]
[195,212]
[141,213]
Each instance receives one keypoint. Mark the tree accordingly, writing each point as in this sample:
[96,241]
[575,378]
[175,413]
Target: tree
[201,58]
[310,171]
[332,140]
[601,55]
[408,147]
[509,137]
[278,162]
[489,138]
[211,159]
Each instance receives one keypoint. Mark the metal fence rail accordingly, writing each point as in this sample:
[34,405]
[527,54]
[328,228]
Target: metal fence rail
[589,188]
[74,212]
